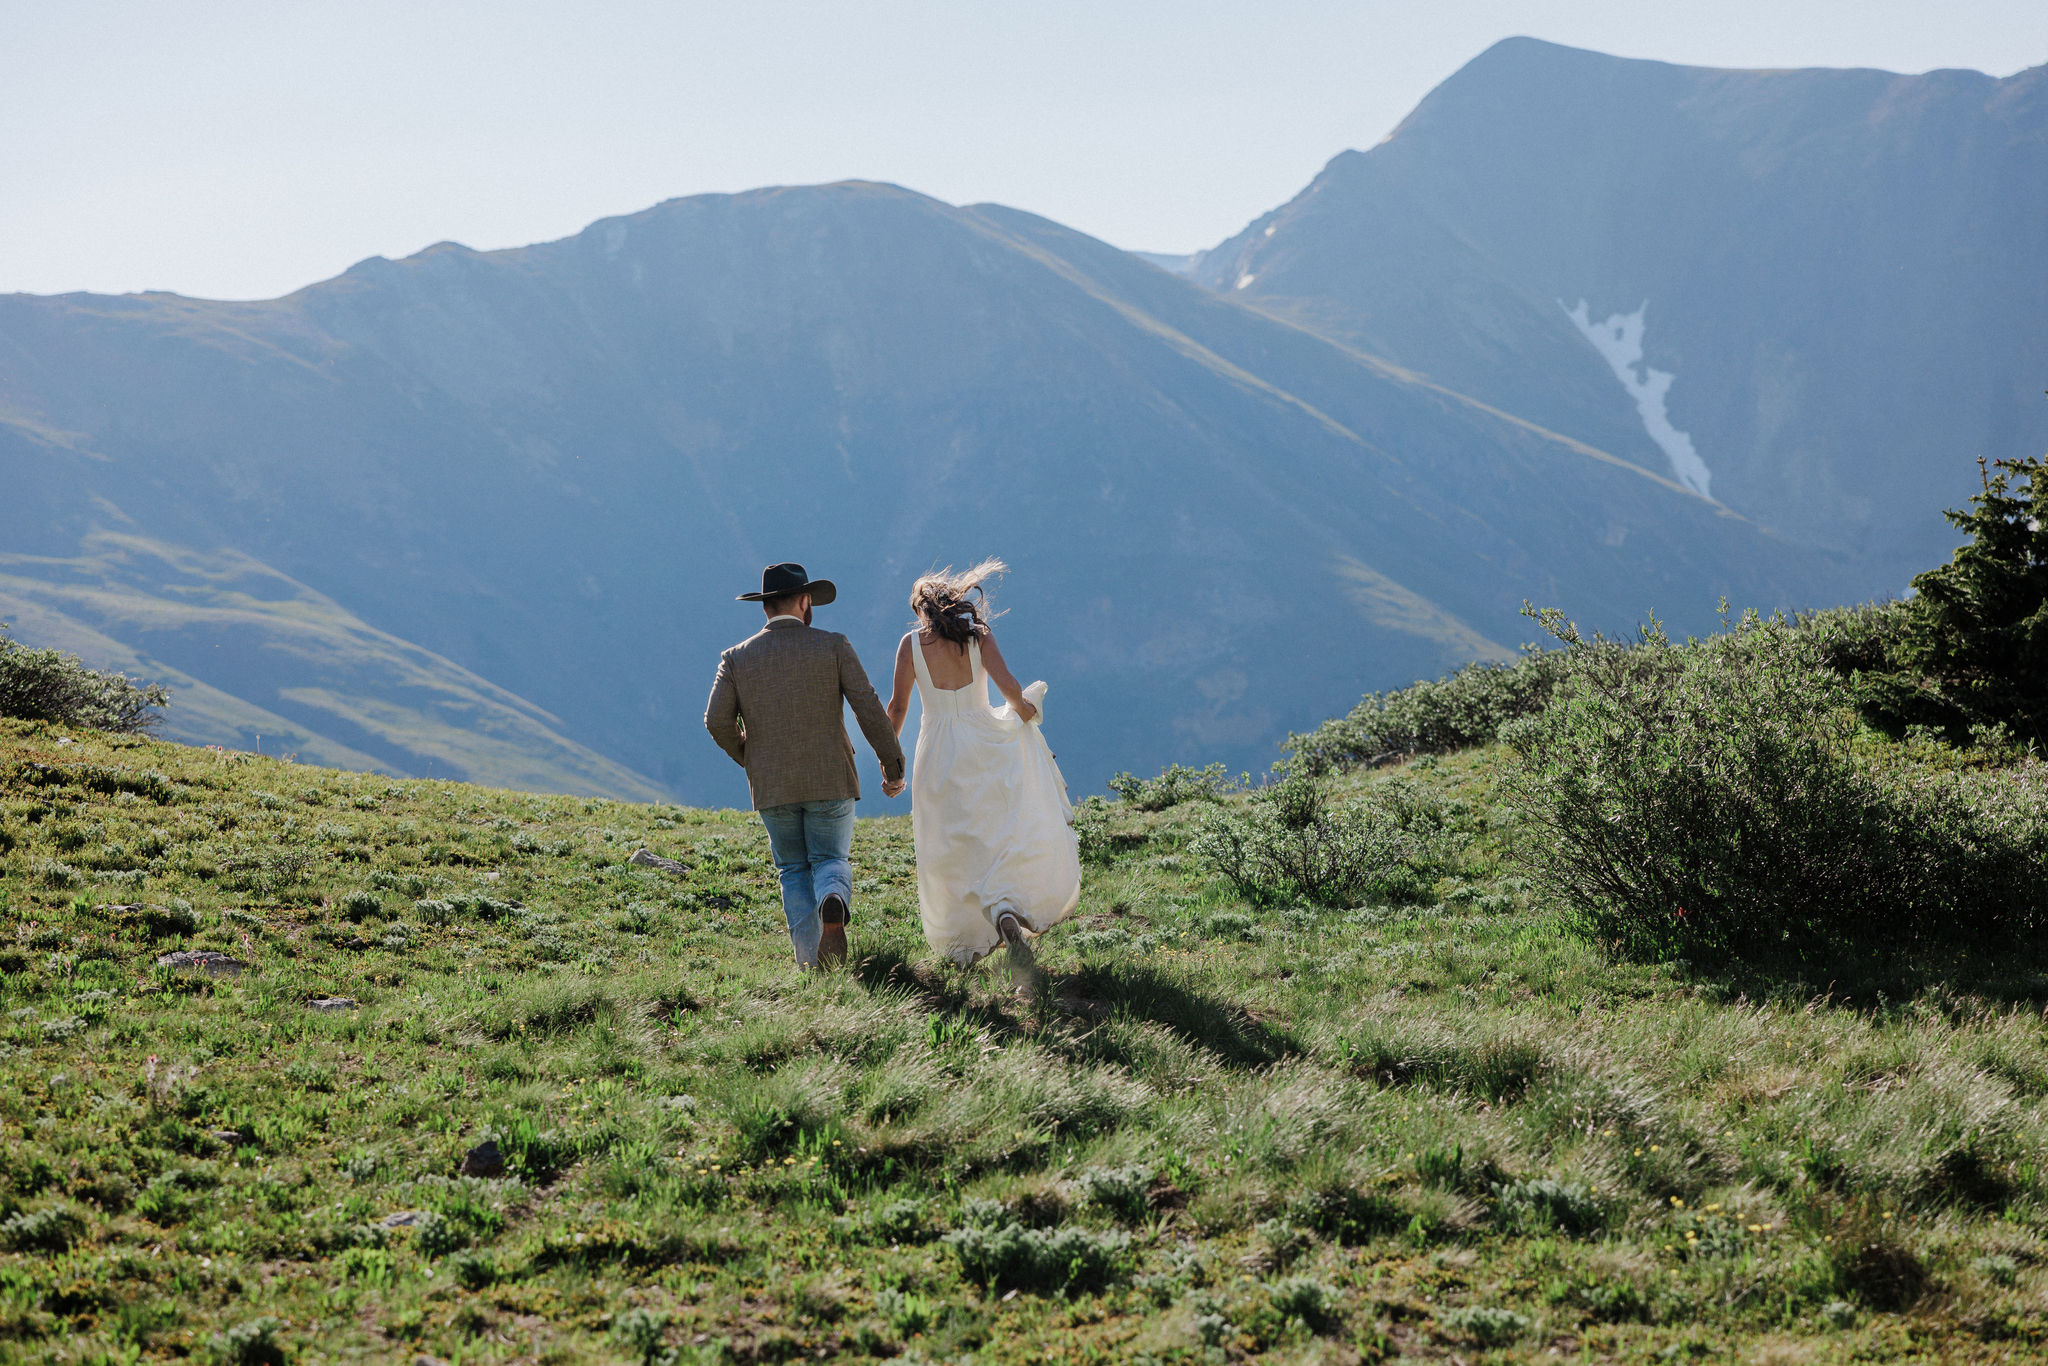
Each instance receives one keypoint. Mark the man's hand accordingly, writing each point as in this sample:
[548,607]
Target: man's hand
[892,787]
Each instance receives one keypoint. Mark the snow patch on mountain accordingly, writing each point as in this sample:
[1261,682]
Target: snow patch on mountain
[1619,341]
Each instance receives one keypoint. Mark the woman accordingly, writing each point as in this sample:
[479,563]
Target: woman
[997,861]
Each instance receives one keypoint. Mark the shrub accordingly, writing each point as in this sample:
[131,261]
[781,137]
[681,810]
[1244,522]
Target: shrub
[1485,1325]
[56,874]
[435,1236]
[1291,841]
[252,1342]
[52,1229]
[1123,1191]
[362,905]
[1346,1214]
[899,1221]
[473,1270]
[1175,785]
[1039,1259]
[175,917]
[1544,1204]
[1091,830]
[1284,1243]
[639,1333]
[1461,709]
[1998,1268]
[908,1313]
[1711,803]
[1299,1297]
[49,685]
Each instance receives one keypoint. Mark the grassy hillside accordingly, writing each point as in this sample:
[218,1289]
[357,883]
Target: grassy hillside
[1216,1131]
[315,682]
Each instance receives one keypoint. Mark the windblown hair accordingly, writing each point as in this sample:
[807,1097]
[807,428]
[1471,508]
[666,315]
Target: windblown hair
[955,607]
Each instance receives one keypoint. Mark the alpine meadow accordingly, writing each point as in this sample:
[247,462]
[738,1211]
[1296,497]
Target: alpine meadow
[1547,636]
[1636,999]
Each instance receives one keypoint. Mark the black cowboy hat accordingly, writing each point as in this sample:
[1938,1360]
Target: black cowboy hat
[780,580]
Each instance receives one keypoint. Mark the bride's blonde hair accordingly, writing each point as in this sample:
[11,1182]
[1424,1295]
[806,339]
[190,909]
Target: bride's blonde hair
[955,607]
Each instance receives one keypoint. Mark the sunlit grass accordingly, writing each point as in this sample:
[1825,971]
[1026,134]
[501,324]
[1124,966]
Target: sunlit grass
[1216,1131]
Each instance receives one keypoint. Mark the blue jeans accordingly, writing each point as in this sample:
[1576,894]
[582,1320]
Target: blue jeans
[813,845]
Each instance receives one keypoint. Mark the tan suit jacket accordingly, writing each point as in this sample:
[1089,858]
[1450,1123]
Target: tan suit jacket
[775,708]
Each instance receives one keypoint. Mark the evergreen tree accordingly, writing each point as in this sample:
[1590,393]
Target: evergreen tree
[1978,628]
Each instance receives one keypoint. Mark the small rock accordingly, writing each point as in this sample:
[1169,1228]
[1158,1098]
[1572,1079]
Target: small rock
[424,1360]
[204,960]
[651,860]
[66,740]
[231,1137]
[332,1003]
[483,1160]
[492,876]
[405,1218]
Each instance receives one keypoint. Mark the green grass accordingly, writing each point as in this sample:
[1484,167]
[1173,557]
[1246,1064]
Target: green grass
[1217,1132]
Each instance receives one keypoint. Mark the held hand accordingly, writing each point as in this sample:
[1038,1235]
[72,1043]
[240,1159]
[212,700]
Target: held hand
[892,788]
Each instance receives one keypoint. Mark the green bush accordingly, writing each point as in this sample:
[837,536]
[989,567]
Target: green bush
[1461,709]
[1176,785]
[1062,1259]
[899,1221]
[907,1312]
[1486,1325]
[639,1334]
[1306,1299]
[1290,840]
[1543,1204]
[1125,1192]
[1091,830]
[249,1343]
[1712,802]
[362,905]
[49,685]
[52,1229]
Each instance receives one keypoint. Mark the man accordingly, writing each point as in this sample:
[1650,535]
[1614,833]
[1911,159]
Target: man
[775,708]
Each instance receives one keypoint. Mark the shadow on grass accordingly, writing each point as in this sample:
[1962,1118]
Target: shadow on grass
[1229,1031]
[1879,977]
[1225,1029]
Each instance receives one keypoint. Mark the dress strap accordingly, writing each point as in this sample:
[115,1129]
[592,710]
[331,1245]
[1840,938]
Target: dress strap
[924,673]
[974,658]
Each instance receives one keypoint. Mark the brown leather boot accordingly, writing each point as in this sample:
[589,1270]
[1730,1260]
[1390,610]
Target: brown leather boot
[832,915]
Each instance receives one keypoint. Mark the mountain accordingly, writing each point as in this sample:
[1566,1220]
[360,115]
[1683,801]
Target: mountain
[1816,294]
[513,493]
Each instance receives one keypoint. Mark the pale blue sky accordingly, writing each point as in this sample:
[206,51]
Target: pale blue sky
[239,149]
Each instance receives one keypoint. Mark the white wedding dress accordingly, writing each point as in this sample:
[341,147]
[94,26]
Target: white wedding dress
[990,816]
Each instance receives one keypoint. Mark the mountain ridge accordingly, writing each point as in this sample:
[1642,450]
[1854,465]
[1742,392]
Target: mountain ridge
[1839,266]
[534,462]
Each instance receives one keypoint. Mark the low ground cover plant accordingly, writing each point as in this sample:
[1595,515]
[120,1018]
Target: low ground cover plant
[1297,838]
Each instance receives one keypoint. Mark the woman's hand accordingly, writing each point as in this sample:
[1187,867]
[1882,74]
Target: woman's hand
[892,787]
[1025,711]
